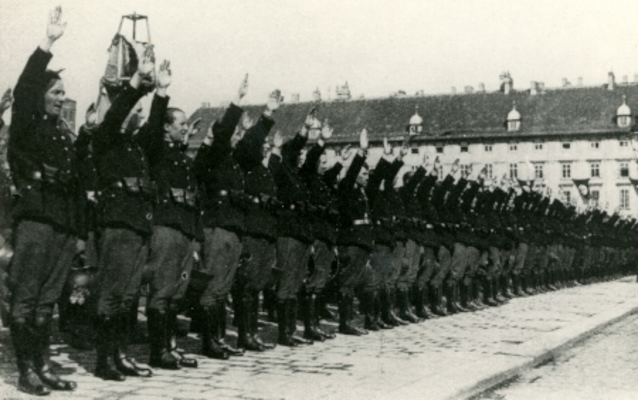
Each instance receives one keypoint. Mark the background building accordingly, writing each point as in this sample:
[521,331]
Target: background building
[551,136]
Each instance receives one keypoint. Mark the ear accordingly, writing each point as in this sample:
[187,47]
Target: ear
[167,126]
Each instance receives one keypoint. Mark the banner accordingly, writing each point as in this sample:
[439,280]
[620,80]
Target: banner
[583,187]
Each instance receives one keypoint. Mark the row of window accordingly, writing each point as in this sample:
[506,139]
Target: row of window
[537,146]
[595,197]
[566,170]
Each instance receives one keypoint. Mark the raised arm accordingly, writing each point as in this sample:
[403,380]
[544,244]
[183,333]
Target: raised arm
[249,149]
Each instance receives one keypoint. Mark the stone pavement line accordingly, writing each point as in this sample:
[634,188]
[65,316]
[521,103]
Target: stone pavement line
[447,358]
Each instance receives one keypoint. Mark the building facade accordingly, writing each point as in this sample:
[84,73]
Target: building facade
[573,139]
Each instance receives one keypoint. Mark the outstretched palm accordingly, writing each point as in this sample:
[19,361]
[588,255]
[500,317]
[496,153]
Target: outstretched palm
[164,75]
[55,28]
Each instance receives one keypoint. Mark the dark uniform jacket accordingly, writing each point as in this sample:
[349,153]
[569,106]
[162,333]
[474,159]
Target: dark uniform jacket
[41,155]
[354,209]
[87,173]
[259,184]
[293,218]
[323,202]
[127,195]
[220,176]
[431,232]
[173,172]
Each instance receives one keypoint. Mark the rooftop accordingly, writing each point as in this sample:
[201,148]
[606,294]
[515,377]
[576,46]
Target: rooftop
[555,112]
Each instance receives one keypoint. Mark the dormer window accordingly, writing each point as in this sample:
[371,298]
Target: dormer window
[513,120]
[623,114]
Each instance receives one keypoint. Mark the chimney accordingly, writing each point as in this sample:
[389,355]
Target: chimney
[625,80]
[205,104]
[294,98]
[580,81]
[565,84]
[481,87]
[453,89]
[635,78]
[533,88]
[611,81]
[316,95]
[469,89]
[507,83]
[541,87]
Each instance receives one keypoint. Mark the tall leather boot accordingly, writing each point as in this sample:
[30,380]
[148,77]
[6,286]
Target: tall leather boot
[23,345]
[477,294]
[376,310]
[388,315]
[465,293]
[211,347]
[243,309]
[282,325]
[322,308]
[254,323]
[172,333]
[487,293]
[506,286]
[308,303]
[437,302]
[419,307]
[528,284]
[271,304]
[125,364]
[316,300]
[161,357]
[233,351]
[456,291]
[107,341]
[516,283]
[449,297]
[345,324]
[425,299]
[292,323]
[42,363]
[497,291]
[405,308]
[367,301]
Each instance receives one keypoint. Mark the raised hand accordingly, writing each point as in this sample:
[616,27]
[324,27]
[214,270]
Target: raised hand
[91,116]
[345,153]
[55,28]
[164,76]
[326,130]
[274,101]
[468,171]
[6,101]
[387,147]
[405,148]
[455,166]
[363,140]
[243,88]
[278,140]
[147,64]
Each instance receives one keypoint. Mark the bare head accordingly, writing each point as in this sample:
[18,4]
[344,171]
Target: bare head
[55,95]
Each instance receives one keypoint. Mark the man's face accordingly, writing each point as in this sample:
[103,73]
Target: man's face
[362,178]
[54,99]
[265,149]
[323,164]
[237,136]
[178,129]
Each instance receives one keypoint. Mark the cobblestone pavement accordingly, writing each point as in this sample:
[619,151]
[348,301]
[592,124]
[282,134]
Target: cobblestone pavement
[604,366]
[433,359]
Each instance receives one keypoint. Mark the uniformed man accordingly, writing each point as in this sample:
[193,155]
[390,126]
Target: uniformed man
[176,227]
[254,272]
[47,213]
[355,235]
[125,213]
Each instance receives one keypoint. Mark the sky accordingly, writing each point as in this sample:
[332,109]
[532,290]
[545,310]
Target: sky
[377,46]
